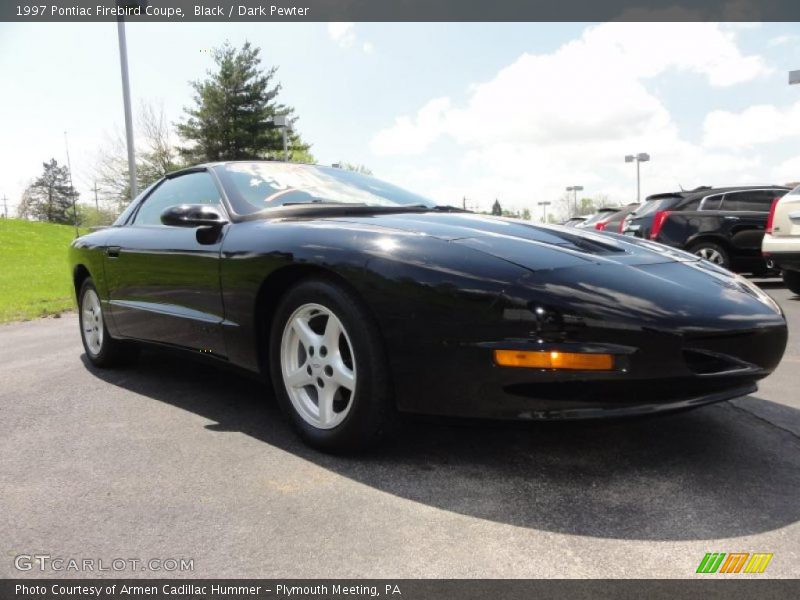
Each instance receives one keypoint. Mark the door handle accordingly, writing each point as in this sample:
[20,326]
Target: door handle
[112,251]
[730,218]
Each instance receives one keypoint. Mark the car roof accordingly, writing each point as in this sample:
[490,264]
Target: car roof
[208,165]
[708,191]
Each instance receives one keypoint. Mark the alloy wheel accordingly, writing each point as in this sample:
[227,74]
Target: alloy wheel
[318,366]
[711,255]
[92,321]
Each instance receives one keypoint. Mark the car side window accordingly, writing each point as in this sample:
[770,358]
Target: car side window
[712,203]
[691,205]
[752,200]
[192,188]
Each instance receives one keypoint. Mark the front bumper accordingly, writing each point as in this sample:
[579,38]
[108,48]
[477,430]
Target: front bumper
[677,346]
[605,409]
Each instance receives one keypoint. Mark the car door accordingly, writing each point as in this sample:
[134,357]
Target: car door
[745,217]
[163,281]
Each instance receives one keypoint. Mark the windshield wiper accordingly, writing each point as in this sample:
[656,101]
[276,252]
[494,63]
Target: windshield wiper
[317,202]
[437,208]
[448,208]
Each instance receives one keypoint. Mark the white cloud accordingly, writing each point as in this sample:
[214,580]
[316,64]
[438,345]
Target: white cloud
[412,136]
[782,40]
[550,120]
[344,34]
[592,88]
[754,125]
[787,171]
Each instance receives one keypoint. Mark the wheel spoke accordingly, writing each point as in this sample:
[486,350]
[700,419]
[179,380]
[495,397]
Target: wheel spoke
[332,333]
[298,378]
[325,403]
[304,332]
[342,375]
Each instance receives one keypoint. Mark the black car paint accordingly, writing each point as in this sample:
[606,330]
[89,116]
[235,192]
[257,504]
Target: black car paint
[739,232]
[446,289]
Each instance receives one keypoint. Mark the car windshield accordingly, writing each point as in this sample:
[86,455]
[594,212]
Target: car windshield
[650,206]
[256,186]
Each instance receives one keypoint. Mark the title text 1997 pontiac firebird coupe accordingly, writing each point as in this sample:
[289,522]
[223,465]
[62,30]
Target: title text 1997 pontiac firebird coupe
[359,300]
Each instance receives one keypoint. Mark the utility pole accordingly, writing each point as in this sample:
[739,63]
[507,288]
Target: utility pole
[96,203]
[126,100]
[5,207]
[71,187]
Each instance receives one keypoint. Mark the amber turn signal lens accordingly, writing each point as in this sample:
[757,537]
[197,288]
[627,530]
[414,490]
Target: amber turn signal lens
[576,361]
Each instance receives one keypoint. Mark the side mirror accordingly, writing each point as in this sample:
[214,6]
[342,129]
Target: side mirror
[192,215]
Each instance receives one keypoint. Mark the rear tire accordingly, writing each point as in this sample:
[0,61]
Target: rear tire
[713,253]
[101,349]
[329,368]
[792,281]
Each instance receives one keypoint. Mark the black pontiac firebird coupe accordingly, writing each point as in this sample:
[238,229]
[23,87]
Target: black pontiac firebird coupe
[358,299]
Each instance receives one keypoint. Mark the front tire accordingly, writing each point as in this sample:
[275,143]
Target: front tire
[101,349]
[792,281]
[712,253]
[329,369]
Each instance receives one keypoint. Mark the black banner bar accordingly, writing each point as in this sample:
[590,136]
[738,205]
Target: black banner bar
[711,588]
[398,10]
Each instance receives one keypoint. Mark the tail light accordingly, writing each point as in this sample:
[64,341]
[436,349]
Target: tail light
[621,228]
[658,222]
[771,217]
[600,226]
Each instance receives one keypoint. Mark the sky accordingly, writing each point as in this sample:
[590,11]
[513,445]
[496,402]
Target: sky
[510,111]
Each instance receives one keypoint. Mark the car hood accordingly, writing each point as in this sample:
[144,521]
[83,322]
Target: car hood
[532,246]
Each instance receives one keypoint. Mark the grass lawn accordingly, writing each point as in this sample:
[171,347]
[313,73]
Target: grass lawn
[34,274]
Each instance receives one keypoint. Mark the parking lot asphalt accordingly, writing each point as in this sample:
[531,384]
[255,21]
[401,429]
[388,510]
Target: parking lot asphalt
[171,458]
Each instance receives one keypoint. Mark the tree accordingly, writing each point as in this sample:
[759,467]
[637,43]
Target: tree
[25,206]
[157,156]
[496,208]
[50,197]
[232,109]
[356,168]
[586,206]
[160,156]
[526,214]
[90,216]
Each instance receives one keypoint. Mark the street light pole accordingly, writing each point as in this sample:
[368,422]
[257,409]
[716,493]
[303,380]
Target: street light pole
[638,158]
[126,100]
[544,206]
[638,184]
[575,189]
[282,123]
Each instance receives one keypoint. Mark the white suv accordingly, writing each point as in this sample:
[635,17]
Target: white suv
[781,243]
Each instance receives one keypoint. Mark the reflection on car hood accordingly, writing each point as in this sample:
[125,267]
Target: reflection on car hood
[528,245]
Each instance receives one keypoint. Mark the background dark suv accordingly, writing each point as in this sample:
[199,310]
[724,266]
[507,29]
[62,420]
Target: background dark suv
[723,225]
